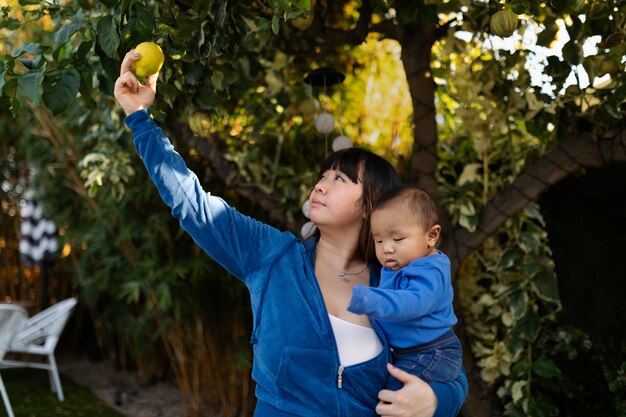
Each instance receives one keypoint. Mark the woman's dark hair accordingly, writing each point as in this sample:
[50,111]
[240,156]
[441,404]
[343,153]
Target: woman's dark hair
[375,174]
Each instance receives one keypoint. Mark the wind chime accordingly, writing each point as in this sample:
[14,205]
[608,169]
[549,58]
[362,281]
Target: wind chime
[325,124]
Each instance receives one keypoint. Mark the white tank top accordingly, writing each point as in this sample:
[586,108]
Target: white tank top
[355,343]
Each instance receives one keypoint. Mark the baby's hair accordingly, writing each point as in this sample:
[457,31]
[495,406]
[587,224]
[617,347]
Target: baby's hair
[417,200]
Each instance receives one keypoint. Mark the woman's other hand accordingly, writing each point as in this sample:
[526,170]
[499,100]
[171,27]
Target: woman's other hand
[416,399]
[129,92]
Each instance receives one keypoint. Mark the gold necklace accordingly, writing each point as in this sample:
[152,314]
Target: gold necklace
[343,275]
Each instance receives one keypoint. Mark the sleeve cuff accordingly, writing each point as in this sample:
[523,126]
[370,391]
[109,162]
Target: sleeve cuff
[139,121]
[356,305]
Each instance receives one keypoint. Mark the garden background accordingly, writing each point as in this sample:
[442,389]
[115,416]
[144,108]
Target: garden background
[520,138]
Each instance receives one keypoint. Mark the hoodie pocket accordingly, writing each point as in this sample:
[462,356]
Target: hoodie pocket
[306,382]
[363,381]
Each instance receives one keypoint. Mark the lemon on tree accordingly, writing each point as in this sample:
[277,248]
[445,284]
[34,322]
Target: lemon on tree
[151,59]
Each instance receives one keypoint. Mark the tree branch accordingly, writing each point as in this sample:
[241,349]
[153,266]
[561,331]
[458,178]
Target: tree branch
[574,153]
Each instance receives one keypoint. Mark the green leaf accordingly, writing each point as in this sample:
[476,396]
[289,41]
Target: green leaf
[65,33]
[108,38]
[218,12]
[518,303]
[139,27]
[131,291]
[520,367]
[263,24]
[206,98]
[517,390]
[275,24]
[545,367]
[510,258]
[302,4]
[30,86]
[612,111]
[29,48]
[165,296]
[10,89]
[84,49]
[59,95]
[546,285]
[529,242]
[527,327]
[532,268]
[468,222]
[217,79]
[572,52]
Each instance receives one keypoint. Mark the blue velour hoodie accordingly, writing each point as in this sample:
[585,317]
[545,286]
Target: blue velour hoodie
[296,362]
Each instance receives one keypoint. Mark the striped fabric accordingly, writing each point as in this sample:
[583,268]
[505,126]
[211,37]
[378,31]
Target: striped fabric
[38,242]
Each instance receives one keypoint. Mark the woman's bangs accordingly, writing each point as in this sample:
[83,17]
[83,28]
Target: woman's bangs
[347,161]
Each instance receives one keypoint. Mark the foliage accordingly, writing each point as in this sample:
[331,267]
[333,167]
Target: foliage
[510,292]
[615,373]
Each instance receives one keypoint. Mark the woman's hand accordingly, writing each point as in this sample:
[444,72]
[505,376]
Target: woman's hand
[129,92]
[416,399]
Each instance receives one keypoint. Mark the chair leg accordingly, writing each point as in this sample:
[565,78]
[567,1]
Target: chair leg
[5,398]
[54,372]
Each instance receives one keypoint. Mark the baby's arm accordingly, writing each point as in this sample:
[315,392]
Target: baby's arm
[421,293]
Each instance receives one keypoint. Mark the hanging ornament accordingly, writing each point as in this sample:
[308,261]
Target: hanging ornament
[341,142]
[306,209]
[324,77]
[307,230]
[325,123]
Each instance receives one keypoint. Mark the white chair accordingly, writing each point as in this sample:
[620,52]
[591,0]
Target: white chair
[12,318]
[39,336]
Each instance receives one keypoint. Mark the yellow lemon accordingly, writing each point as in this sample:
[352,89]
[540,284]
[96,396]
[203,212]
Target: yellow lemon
[151,59]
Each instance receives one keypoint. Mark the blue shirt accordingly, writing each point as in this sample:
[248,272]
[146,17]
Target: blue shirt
[296,363]
[413,304]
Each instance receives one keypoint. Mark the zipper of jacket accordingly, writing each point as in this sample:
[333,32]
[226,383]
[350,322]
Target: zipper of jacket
[340,377]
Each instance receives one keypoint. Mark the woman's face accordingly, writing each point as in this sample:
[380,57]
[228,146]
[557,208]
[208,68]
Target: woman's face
[336,200]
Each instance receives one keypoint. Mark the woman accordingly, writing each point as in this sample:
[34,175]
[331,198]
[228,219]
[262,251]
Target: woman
[311,356]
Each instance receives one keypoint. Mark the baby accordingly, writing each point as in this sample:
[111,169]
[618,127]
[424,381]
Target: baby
[413,303]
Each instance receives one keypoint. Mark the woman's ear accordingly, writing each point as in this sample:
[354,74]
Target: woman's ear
[433,235]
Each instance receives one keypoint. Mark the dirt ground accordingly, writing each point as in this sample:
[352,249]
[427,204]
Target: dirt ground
[123,391]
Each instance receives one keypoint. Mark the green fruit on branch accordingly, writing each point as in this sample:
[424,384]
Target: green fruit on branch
[503,23]
[200,123]
[303,23]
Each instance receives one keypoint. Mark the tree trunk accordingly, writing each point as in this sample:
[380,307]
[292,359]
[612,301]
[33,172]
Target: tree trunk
[417,42]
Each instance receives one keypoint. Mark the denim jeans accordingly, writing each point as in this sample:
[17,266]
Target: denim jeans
[440,360]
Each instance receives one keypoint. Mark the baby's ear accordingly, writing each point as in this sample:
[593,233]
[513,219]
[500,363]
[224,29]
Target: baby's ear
[433,234]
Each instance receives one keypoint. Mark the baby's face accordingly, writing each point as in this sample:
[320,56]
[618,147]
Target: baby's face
[398,236]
